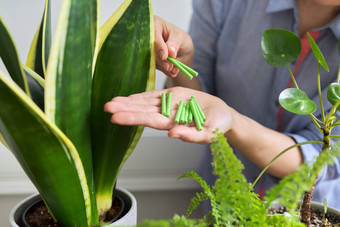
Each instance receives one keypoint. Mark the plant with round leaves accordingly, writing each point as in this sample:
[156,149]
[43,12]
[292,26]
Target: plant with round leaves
[333,93]
[296,101]
[279,48]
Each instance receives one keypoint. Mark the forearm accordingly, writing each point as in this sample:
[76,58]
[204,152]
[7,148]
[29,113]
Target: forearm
[260,145]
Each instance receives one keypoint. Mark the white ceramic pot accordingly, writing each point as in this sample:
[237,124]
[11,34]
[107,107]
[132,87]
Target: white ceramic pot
[129,217]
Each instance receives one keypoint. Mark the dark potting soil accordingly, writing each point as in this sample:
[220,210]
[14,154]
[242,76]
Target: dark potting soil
[39,216]
[316,217]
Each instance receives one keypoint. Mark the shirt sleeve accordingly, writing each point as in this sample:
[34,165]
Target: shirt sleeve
[311,151]
[204,30]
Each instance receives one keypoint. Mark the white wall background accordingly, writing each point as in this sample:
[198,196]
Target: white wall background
[23,17]
[157,160]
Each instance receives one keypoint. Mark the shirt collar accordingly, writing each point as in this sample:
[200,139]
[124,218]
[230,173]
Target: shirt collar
[334,25]
[274,6]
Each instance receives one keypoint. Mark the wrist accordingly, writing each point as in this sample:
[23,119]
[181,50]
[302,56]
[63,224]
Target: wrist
[234,133]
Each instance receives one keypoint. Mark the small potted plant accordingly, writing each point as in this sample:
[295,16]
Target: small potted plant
[233,200]
[279,48]
[52,116]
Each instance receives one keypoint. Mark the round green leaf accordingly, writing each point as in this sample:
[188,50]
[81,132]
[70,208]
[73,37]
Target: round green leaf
[279,47]
[333,93]
[317,53]
[296,101]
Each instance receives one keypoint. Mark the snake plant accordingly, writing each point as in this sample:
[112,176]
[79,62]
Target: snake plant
[51,114]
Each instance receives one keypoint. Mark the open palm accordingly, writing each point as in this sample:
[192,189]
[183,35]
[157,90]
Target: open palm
[145,109]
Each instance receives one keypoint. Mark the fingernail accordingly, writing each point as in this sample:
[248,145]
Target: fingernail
[174,70]
[161,54]
[173,49]
[165,65]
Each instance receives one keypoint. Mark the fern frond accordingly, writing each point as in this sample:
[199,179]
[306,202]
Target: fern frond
[196,201]
[176,221]
[238,204]
[291,188]
[208,193]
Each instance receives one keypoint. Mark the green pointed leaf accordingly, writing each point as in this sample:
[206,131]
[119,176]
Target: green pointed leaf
[69,79]
[36,86]
[39,52]
[10,58]
[317,53]
[41,149]
[125,65]
[296,101]
[2,140]
[333,93]
[280,47]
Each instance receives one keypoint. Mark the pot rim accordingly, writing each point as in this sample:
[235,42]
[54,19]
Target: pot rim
[130,210]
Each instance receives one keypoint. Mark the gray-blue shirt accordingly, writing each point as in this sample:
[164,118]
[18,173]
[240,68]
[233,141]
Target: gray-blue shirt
[227,36]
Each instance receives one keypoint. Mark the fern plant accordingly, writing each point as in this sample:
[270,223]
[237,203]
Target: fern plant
[233,201]
[51,115]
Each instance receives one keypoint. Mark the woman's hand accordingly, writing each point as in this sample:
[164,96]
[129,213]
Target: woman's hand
[258,143]
[174,42]
[145,109]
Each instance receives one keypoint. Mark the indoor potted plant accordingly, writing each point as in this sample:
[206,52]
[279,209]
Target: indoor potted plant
[279,48]
[52,116]
[233,201]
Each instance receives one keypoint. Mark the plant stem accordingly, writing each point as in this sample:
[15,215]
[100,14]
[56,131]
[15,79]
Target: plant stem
[338,78]
[292,76]
[336,122]
[320,96]
[307,198]
[281,153]
[316,121]
[306,206]
[334,136]
[332,113]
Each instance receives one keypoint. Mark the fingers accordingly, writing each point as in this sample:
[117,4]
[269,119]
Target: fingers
[178,93]
[169,40]
[191,134]
[152,120]
[145,109]
[115,107]
[161,36]
[139,99]
[187,133]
